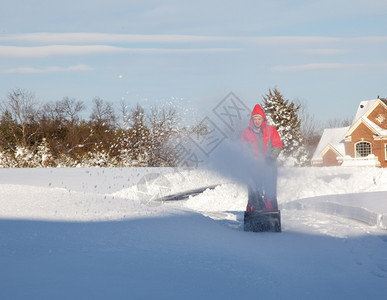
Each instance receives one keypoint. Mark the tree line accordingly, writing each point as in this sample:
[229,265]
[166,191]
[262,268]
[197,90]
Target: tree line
[54,134]
[57,132]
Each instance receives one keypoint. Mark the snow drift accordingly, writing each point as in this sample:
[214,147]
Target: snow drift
[89,233]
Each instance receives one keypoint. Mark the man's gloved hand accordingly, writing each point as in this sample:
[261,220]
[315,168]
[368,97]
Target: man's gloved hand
[275,151]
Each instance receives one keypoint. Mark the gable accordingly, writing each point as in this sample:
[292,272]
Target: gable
[332,138]
[331,150]
[330,158]
[366,108]
[361,127]
[379,115]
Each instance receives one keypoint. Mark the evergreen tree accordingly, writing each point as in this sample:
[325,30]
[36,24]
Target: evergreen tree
[283,115]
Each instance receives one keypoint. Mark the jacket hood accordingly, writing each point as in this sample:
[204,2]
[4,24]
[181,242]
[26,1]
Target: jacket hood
[257,110]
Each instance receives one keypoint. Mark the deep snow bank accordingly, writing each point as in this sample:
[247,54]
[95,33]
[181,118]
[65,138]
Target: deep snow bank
[117,193]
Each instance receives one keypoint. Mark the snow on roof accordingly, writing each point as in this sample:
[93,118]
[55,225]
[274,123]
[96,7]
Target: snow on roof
[333,137]
[378,129]
[362,109]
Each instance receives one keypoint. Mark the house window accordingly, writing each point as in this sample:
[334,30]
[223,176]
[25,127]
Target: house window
[363,149]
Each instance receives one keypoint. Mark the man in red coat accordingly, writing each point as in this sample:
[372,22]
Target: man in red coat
[265,143]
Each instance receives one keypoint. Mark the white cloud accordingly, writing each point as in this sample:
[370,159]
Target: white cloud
[53,50]
[60,50]
[321,66]
[368,39]
[85,38]
[324,52]
[26,70]
[308,67]
[295,40]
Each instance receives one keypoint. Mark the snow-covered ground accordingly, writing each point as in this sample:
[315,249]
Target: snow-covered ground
[100,233]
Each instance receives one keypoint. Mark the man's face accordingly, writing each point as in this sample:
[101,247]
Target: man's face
[258,120]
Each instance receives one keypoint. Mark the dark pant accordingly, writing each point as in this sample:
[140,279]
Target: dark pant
[264,187]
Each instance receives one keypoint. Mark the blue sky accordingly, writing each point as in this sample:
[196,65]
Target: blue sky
[329,54]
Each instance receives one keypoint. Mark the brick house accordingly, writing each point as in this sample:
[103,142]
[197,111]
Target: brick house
[363,143]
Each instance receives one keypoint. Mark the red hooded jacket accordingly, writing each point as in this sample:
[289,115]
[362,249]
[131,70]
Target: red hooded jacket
[269,133]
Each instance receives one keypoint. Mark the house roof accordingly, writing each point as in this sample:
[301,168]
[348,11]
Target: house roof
[331,137]
[365,107]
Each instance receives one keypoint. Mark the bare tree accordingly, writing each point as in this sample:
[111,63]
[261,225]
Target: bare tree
[103,114]
[338,122]
[311,127]
[51,112]
[71,109]
[22,107]
[7,127]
